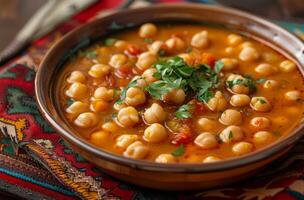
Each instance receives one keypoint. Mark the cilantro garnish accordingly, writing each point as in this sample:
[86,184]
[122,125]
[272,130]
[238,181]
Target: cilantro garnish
[70,102]
[109,41]
[175,73]
[184,112]
[230,135]
[261,80]
[124,90]
[262,101]
[91,54]
[247,81]
[179,151]
[148,40]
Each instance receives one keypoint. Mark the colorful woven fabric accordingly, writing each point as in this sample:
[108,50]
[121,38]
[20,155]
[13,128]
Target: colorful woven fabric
[63,174]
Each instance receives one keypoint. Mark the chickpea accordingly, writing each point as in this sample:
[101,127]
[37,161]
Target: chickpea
[242,148]
[140,82]
[99,138]
[260,123]
[287,66]
[231,134]
[231,117]
[229,63]
[121,45]
[265,69]
[271,84]
[234,39]
[240,88]
[99,106]
[154,114]
[135,96]
[292,95]
[189,59]
[148,75]
[165,158]
[110,127]
[218,102]
[102,93]
[125,140]
[77,91]
[200,40]
[262,137]
[86,120]
[155,133]
[260,104]
[239,100]
[230,50]
[128,116]
[145,60]
[246,44]
[76,76]
[119,106]
[136,151]
[206,140]
[77,107]
[156,46]
[147,30]
[175,44]
[249,54]
[99,70]
[211,159]
[206,124]
[118,60]
[176,96]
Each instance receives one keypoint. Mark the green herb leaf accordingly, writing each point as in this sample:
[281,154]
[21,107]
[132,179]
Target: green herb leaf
[91,54]
[110,41]
[70,102]
[124,90]
[262,101]
[179,151]
[247,81]
[148,40]
[218,66]
[158,89]
[184,112]
[261,80]
[230,136]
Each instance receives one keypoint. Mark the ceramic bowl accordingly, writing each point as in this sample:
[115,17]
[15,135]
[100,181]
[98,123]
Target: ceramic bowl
[150,174]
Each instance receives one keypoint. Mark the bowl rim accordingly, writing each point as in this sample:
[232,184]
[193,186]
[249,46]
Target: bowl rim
[247,159]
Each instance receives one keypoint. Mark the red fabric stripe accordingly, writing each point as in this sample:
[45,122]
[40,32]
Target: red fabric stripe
[15,181]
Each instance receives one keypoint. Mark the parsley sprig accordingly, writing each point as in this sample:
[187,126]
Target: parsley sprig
[175,73]
[184,112]
[247,81]
[179,151]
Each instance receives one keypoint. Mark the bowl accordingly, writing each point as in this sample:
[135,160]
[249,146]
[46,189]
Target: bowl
[154,175]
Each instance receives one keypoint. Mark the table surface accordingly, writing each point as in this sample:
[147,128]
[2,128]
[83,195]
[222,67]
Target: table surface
[14,13]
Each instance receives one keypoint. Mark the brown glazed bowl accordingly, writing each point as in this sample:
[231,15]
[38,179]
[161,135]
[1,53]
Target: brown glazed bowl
[150,174]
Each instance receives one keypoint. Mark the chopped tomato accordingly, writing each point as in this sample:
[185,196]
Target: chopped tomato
[133,50]
[124,71]
[200,108]
[207,58]
[181,138]
[185,134]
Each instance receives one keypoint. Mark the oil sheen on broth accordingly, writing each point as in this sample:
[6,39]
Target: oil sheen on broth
[181,93]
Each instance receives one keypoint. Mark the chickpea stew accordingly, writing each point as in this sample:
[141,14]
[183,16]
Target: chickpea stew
[181,93]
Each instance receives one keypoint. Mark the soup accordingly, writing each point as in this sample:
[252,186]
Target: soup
[181,93]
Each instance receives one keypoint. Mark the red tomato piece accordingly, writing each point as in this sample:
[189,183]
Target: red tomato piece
[133,50]
[207,58]
[181,138]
